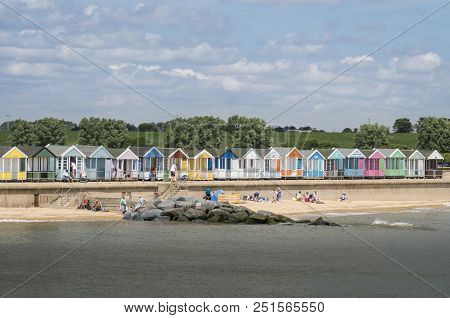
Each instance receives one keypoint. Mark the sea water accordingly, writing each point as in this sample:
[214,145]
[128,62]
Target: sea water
[145,259]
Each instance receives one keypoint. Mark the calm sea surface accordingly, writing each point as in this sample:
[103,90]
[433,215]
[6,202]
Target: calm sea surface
[144,259]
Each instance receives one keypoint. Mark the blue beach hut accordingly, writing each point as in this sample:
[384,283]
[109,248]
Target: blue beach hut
[98,162]
[354,163]
[313,164]
[153,165]
[227,163]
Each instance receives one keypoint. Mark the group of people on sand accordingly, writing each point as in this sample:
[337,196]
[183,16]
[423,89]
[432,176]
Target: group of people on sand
[86,205]
[308,197]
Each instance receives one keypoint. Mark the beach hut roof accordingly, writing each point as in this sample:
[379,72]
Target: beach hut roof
[90,151]
[167,151]
[431,154]
[61,151]
[30,151]
[326,152]
[216,153]
[389,152]
[4,150]
[140,151]
[309,153]
[348,152]
[262,152]
[283,151]
[147,154]
[239,152]
[410,153]
[116,152]
[58,150]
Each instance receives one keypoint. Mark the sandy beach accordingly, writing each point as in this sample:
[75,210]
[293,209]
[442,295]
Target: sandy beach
[54,214]
[286,207]
[291,208]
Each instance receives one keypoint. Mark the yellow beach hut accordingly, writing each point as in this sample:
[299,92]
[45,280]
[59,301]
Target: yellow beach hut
[200,165]
[13,164]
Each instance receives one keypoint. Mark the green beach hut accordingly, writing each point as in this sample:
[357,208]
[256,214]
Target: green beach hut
[395,163]
[41,163]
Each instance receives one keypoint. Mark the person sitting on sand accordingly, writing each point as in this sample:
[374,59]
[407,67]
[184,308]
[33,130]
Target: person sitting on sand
[83,204]
[306,197]
[256,196]
[208,194]
[299,196]
[97,206]
[343,198]
[316,198]
[311,198]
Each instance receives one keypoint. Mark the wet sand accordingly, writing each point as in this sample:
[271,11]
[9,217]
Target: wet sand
[285,207]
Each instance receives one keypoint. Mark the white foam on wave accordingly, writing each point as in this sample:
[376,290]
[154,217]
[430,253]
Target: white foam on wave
[21,221]
[395,224]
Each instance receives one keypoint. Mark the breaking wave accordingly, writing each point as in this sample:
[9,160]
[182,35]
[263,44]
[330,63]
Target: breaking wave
[393,224]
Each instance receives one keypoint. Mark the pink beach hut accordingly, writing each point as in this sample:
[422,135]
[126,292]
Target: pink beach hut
[375,164]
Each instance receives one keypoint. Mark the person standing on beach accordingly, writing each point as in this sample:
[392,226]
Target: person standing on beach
[123,204]
[173,172]
[278,194]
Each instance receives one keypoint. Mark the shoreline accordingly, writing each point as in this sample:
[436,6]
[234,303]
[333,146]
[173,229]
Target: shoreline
[292,209]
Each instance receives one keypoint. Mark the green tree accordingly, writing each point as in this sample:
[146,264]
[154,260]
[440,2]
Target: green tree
[21,133]
[195,132]
[372,136]
[50,131]
[148,127]
[434,133]
[249,132]
[102,131]
[347,130]
[403,125]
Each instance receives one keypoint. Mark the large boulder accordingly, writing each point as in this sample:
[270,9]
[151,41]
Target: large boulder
[281,218]
[175,198]
[321,222]
[193,214]
[265,213]
[223,213]
[166,205]
[256,218]
[207,205]
[181,218]
[172,213]
[239,216]
[184,204]
[215,218]
[150,215]
[161,219]
[145,207]
[127,216]
[136,216]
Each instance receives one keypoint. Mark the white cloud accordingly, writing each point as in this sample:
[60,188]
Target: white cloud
[38,4]
[232,84]
[246,66]
[355,59]
[90,9]
[152,38]
[185,73]
[418,63]
[30,69]
[302,49]
[149,68]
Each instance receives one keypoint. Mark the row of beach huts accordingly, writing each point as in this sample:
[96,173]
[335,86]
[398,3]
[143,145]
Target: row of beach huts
[98,163]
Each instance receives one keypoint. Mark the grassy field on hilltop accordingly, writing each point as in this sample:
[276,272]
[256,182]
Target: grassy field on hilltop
[280,139]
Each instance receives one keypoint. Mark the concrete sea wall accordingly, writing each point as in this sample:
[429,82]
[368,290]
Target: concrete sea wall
[39,194]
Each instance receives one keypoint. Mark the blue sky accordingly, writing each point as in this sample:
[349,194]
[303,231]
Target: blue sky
[225,57]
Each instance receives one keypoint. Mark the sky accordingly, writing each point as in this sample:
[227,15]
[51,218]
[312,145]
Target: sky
[226,57]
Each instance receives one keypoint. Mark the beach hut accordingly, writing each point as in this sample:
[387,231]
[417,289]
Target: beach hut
[41,163]
[375,164]
[143,164]
[175,156]
[200,164]
[334,163]
[13,164]
[70,159]
[125,163]
[415,164]
[354,162]
[152,165]
[313,164]
[98,162]
[291,162]
[250,164]
[227,163]
[432,160]
[271,167]
[395,163]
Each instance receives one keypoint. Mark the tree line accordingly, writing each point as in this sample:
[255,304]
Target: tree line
[213,132]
